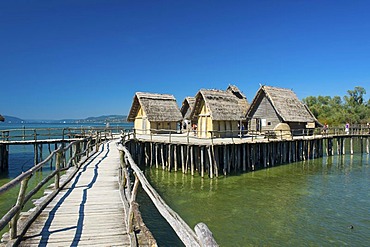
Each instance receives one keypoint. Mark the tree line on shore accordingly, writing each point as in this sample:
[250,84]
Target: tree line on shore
[336,111]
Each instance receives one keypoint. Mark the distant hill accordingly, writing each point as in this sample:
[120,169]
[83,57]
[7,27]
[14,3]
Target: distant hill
[100,119]
[10,119]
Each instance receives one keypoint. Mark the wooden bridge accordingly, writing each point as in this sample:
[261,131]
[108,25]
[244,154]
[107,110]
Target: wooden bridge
[88,211]
[92,204]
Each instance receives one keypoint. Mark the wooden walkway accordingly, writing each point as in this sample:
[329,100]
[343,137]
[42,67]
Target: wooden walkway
[88,211]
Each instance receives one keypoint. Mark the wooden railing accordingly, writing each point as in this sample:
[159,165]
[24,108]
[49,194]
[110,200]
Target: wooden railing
[77,151]
[34,134]
[187,135]
[202,235]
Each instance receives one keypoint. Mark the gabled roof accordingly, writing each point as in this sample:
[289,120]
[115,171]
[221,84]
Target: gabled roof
[187,107]
[286,104]
[222,105]
[157,107]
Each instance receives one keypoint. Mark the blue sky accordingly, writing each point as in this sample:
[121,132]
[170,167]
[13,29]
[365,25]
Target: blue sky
[81,58]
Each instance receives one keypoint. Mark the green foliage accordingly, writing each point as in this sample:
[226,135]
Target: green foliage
[335,111]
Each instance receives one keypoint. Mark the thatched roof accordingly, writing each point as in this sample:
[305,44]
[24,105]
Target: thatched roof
[2,119]
[286,104]
[187,107]
[222,105]
[157,107]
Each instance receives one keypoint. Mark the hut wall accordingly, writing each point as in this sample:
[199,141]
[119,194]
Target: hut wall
[267,115]
[141,123]
[225,128]
[164,126]
[204,122]
[298,128]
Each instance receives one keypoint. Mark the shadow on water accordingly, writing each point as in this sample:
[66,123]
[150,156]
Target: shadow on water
[159,227]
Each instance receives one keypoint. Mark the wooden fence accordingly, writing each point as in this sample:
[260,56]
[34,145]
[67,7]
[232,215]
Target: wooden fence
[202,235]
[78,151]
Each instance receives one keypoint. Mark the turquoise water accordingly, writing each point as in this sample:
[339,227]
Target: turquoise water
[311,203]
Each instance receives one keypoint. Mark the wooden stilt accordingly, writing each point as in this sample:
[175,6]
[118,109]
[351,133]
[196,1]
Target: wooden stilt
[192,160]
[182,159]
[244,151]
[343,140]
[156,155]
[175,157]
[225,160]
[201,162]
[210,162]
[216,159]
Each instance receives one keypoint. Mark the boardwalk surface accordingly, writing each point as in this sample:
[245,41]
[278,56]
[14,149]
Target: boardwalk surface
[88,211]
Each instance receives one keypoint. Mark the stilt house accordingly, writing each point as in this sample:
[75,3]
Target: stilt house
[219,113]
[154,112]
[273,107]
[186,108]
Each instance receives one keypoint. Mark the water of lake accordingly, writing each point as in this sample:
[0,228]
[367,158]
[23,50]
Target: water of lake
[310,203]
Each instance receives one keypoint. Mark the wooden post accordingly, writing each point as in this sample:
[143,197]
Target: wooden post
[187,160]
[4,157]
[20,204]
[351,145]
[216,161]
[244,158]
[130,220]
[36,154]
[202,161]
[225,159]
[210,162]
[338,146]
[169,157]
[192,160]
[151,154]
[264,155]
[57,168]
[367,145]
[162,156]
[248,156]
[156,155]
[309,149]
[175,157]
[182,159]
[343,140]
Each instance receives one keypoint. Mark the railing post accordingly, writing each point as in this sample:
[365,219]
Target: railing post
[132,200]
[98,137]
[57,168]
[20,202]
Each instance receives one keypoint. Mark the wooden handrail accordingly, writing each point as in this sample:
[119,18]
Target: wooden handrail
[184,232]
[13,214]
[58,133]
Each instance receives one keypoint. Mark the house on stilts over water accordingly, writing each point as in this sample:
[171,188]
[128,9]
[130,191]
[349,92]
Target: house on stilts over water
[219,113]
[278,110]
[186,109]
[153,112]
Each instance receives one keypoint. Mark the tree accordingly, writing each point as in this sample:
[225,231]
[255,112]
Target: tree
[335,111]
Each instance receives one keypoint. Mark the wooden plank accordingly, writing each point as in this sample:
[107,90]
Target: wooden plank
[88,211]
